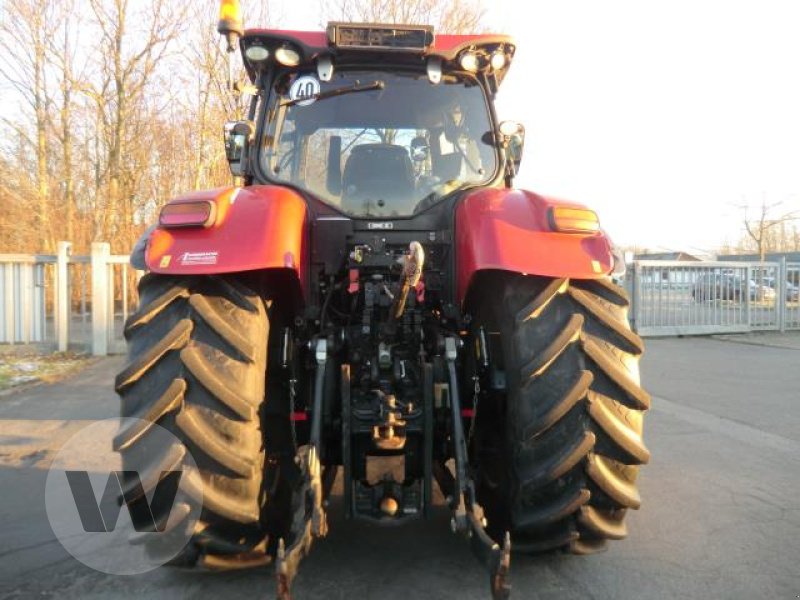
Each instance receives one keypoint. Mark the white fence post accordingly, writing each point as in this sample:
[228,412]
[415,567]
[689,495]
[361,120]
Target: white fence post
[62,312]
[100,253]
[26,302]
[8,303]
[781,296]
[748,276]
[636,296]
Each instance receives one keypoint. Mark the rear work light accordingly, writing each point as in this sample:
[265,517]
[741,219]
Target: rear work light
[573,220]
[287,56]
[198,213]
[380,37]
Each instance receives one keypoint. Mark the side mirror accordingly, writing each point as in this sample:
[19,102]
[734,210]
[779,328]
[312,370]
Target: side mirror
[512,140]
[237,135]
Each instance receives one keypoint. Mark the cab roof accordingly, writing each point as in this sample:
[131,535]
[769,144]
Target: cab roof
[312,45]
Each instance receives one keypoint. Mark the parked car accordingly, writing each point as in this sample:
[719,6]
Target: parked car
[723,286]
[717,286]
[792,292]
[760,290]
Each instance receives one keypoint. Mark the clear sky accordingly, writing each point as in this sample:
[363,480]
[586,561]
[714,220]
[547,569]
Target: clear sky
[661,115]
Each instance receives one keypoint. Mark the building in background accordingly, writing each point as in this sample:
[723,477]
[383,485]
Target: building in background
[667,256]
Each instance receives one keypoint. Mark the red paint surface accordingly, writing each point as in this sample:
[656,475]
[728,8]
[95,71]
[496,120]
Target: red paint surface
[508,230]
[257,227]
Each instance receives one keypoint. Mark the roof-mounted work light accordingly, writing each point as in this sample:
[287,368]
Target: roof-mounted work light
[498,60]
[256,53]
[469,61]
[287,56]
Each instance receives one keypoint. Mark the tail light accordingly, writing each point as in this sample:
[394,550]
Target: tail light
[573,220]
[196,213]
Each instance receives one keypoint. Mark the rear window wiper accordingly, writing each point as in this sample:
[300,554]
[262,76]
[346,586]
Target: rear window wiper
[348,89]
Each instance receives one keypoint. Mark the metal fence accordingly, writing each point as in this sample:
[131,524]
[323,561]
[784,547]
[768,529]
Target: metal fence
[61,302]
[693,298]
[23,303]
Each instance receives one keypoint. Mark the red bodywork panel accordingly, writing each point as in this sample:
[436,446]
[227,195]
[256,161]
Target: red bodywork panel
[509,230]
[257,227]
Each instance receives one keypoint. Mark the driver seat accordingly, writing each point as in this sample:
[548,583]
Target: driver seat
[378,179]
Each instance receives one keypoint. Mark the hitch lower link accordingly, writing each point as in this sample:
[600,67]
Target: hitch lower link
[468,517]
[309,518]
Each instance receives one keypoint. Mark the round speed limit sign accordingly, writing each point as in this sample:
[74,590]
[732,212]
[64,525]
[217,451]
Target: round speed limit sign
[304,90]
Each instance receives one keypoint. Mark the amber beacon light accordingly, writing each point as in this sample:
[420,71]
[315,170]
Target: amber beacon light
[230,22]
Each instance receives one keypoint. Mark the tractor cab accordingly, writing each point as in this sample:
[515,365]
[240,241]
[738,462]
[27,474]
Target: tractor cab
[374,121]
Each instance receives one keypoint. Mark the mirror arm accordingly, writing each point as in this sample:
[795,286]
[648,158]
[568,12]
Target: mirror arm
[510,138]
[510,168]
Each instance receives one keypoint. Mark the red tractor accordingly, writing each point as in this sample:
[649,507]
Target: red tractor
[377,300]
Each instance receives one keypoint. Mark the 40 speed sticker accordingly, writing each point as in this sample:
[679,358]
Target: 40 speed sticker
[304,90]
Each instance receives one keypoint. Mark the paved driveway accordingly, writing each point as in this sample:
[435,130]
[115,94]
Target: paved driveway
[720,516]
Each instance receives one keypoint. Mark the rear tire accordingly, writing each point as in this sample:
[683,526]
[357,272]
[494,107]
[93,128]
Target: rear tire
[557,454]
[197,350]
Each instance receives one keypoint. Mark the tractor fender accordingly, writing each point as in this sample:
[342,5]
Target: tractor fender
[509,229]
[256,227]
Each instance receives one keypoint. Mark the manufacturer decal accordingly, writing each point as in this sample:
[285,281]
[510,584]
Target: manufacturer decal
[380,225]
[304,90]
[199,258]
[165,260]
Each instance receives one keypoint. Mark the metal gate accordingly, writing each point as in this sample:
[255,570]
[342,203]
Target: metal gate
[694,298]
[23,302]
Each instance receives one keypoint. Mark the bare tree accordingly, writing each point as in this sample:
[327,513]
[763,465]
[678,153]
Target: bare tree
[121,109]
[213,102]
[133,46]
[24,30]
[759,228]
[62,46]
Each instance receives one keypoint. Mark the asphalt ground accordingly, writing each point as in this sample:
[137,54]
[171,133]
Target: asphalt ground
[720,515]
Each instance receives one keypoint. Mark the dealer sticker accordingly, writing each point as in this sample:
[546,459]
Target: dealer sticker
[304,90]
[199,258]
